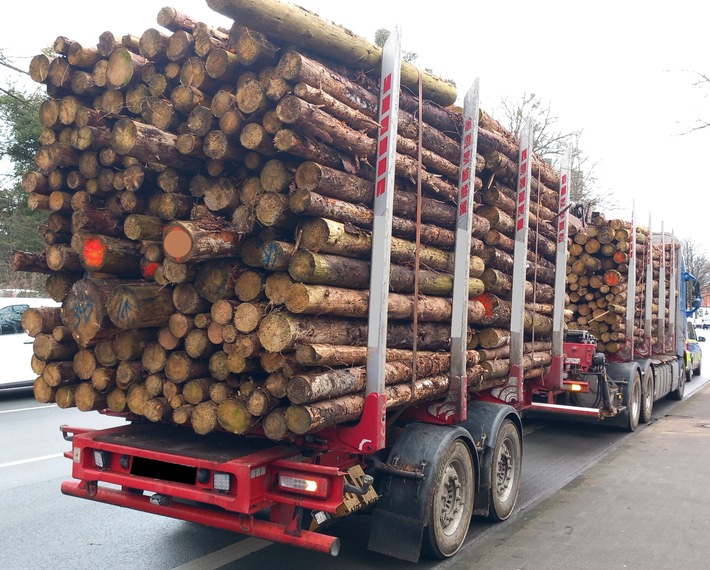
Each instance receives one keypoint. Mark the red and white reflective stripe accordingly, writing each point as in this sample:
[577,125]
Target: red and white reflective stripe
[520,257]
[631,294]
[558,314]
[462,254]
[382,209]
[674,287]
[662,294]
[648,333]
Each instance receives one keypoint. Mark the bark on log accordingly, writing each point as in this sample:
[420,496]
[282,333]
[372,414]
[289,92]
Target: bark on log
[289,24]
[204,418]
[140,306]
[198,240]
[36,320]
[316,386]
[188,301]
[283,331]
[180,368]
[303,419]
[233,415]
[110,255]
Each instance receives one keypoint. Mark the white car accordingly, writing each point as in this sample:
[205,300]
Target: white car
[15,343]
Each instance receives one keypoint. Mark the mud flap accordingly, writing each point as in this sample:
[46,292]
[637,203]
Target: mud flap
[396,535]
[398,521]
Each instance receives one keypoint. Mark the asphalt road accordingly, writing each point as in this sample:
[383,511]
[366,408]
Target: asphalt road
[41,528]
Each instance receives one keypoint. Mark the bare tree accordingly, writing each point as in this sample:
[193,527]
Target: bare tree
[697,263]
[381,36]
[702,81]
[551,142]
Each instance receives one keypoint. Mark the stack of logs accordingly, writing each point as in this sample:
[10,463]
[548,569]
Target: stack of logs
[597,281]
[210,224]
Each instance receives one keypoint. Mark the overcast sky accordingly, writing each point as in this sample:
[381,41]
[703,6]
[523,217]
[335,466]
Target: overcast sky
[622,72]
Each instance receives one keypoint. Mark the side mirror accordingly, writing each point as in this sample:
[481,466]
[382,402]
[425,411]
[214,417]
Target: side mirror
[701,339]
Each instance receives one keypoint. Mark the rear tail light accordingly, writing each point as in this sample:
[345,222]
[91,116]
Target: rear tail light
[304,483]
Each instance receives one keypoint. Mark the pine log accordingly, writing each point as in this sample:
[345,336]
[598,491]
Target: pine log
[303,419]
[308,202]
[287,140]
[288,23]
[328,236]
[337,184]
[198,240]
[58,373]
[105,254]
[283,331]
[84,363]
[274,425]
[321,269]
[88,398]
[149,143]
[316,386]
[215,279]
[85,310]
[29,262]
[140,306]
[234,416]
[36,320]
[128,373]
[179,367]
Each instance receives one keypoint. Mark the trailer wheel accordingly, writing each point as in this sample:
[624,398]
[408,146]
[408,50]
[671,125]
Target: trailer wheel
[679,392]
[633,402]
[647,396]
[505,472]
[452,502]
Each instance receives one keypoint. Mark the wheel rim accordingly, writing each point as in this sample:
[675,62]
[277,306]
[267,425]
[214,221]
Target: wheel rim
[648,397]
[505,471]
[636,399]
[451,497]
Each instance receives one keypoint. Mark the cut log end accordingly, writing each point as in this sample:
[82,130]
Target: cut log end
[177,243]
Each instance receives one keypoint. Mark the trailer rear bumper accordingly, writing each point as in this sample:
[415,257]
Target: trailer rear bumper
[239,523]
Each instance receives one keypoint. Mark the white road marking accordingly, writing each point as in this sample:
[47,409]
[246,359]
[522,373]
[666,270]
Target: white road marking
[27,409]
[229,554]
[32,460]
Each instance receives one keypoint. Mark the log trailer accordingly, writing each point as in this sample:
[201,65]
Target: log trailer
[421,471]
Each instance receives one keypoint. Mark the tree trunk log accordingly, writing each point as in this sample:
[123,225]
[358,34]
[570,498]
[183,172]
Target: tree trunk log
[234,416]
[141,305]
[198,240]
[325,38]
[283,331]
[303,419]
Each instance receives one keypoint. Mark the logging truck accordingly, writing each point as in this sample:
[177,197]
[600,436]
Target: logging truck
[319,295]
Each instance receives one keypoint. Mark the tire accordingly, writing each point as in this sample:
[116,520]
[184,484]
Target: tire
[688,369]
[451,502]
[679,392]
[696,371]
[647,396]
[506,470]
[633,403]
